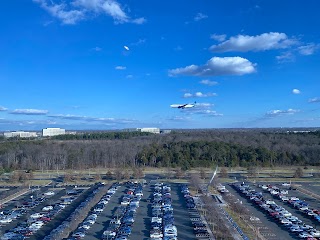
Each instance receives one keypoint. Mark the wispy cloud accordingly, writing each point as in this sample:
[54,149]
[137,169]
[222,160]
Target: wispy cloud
[296,91]
[275,113]
[208,82]
[179,119]
[29,111]
[60,11]
[308,49]
[78,10]
[200,16]
[217,66]
[314,100]
[286,57]
[3,108]
[218,37]
[97,49]
[14,122]
[202,109]
[120,68]
[129,76]
[263,42]
[92,119]
[139,42]
[178,48]
[199,95]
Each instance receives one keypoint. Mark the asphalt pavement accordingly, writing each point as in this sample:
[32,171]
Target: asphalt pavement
[102,222]
[280,232]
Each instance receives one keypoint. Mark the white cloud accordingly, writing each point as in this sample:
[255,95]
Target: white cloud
[314,100]
[120,68]
[139,42]
[97,49]
[217,66]
[30,111]
[139,20]
[296,91]
[78,10]
[3,108]
[60,11]
[199,95]
[129,76]
[178,48]
[308,49]
[91,119]
[286,57]
[218,37]
[180,119]
[275,113]
[202,109]
[200,16]
[208,82]
[263,42]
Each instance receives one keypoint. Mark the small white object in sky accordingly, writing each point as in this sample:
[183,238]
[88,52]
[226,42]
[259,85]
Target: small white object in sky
[296,91]
[126,48]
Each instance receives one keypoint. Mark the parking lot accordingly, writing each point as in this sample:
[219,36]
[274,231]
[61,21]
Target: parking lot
[289,213]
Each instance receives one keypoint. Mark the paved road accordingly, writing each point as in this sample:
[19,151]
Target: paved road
[181,214]
[141,226]
[102,222]
[280,232]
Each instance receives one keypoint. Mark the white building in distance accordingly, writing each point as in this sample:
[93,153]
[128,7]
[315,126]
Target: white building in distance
[49,132]
[150,130]
[20,134]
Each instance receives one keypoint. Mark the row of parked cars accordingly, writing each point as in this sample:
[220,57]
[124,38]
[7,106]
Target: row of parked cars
[162,221]
[92,216]
[35,220]
[66,223]
[199,227]
[120,227]
[294,202]
[278,213]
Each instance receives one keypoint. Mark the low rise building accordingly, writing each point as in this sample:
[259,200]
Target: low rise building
[49,132]
[20,134]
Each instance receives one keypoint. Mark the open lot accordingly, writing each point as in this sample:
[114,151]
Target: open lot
[279,233]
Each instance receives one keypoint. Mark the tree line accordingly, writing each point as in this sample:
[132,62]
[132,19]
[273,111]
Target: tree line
[185,149]
[101,135]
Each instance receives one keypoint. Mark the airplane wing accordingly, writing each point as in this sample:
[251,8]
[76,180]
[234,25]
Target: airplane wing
[183,106]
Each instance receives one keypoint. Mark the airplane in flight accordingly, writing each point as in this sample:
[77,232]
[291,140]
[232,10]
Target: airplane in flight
[183,106]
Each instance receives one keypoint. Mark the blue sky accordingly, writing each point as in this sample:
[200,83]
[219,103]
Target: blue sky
[249,63]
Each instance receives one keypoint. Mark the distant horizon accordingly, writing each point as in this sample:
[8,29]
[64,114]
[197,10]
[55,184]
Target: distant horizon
[91,65]
[183,129]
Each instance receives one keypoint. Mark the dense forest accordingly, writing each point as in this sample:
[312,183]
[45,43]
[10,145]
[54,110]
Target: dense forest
[184,149]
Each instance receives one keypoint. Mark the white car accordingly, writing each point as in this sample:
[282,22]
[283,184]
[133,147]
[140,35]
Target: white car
[315,233]
[36,215]
[6,220]
[156,235]
[90,221]
[78,235]
[286,184]
[85,226]
[50,193]
[156,219]
[47,208]
[98,210]
[37,223]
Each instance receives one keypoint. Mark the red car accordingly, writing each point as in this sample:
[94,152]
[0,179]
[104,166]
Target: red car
[45,219]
